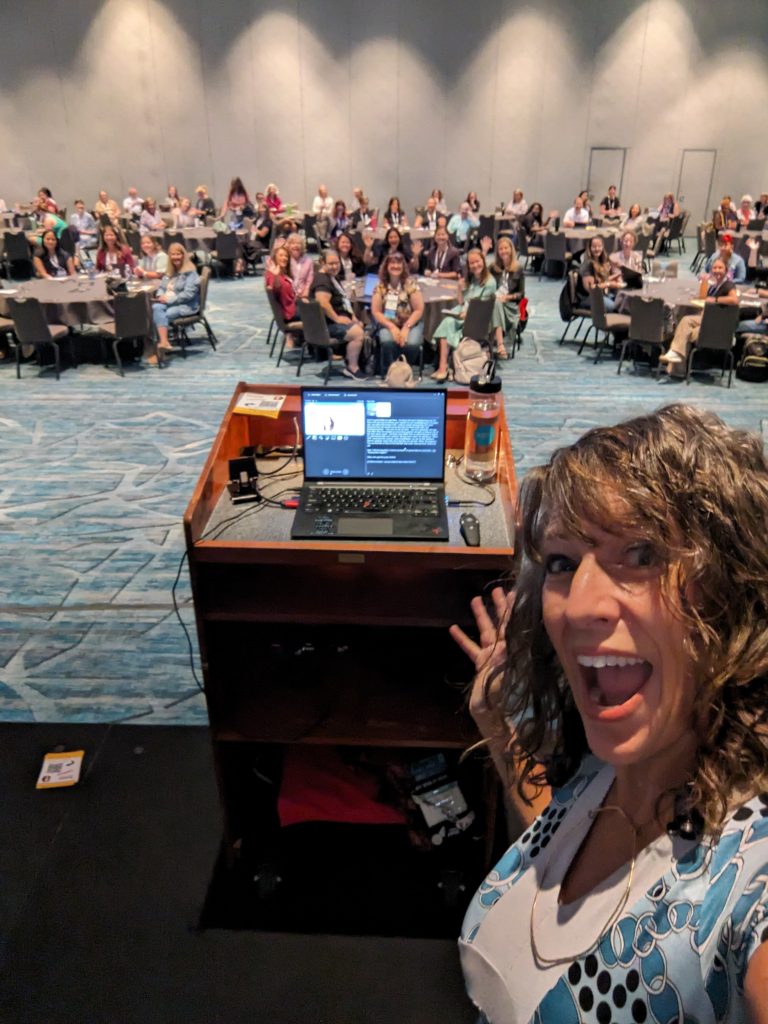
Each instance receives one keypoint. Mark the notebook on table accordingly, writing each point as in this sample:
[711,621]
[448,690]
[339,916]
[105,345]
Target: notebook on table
[374,465]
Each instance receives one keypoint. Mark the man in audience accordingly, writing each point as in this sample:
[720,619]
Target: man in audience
[322,208]
[576,215]
[133,204]
[363,216]
[610,207]
[735,267]
[427,216]
[343,325]
[84,224]
[105,205]
[517,206]
[463,223]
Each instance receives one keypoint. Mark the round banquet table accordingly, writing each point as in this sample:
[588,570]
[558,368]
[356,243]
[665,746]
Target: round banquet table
[576,239]
[72,301]
[680,296]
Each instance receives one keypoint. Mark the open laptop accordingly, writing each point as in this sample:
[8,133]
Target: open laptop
[632,278]
[374,465]
[371,282]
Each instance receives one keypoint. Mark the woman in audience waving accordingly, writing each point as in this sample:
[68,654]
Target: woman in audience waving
[278,280]
[397,307]
[479,284]
[50,260]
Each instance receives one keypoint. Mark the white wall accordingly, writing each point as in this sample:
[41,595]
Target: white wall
[397,96]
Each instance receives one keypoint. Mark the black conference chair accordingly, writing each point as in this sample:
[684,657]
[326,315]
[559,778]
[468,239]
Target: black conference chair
[315,330]
[133,322]
[603,324]
[716,335]
[17,257]
[646,331]
[32,329]
[282,327]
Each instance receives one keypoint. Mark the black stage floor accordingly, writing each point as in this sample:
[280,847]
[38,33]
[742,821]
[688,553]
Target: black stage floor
[102,888]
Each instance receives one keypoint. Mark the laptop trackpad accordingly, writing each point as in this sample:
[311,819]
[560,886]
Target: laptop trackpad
[373,526]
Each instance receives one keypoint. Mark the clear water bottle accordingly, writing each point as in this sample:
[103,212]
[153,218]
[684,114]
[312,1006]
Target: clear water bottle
[481,438]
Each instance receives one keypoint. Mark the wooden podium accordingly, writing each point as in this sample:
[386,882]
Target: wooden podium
[330,642]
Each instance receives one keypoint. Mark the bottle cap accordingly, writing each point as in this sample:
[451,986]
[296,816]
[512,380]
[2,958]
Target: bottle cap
[485,385]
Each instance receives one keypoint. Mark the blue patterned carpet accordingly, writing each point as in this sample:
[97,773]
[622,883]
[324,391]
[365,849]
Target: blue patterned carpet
[97,470]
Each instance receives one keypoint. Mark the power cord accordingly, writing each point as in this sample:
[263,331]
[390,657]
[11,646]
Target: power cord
[486,488]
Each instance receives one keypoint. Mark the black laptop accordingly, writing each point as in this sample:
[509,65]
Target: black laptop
[374,465]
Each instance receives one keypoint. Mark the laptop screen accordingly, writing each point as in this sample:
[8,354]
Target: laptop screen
[373,434]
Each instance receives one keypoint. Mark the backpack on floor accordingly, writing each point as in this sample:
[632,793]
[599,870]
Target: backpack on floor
[753,365]
[400,374]
[468,360]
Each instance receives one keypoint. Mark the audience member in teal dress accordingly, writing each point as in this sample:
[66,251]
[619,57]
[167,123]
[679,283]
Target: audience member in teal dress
[629,672]
[479,284]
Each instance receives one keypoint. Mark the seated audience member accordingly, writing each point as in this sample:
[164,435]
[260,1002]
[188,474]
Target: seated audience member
[533,220]
[84,225]
[462,224]
[610,207]
[473,202]
[761,206]
[716,288]
[364,216]
[262,225]
[746,211]
[105,206]
[272,199]
[437,195]
[133,204]
[184,216]
[635,218]
[479,284]
[576,215]
[150,219]
[735,267]
[350,257]
[343,325]
[725,218]
[669,208]
[393,242]
[50,260]
[443,259]
[340,221]
[586,200]
[204,205]
[114,256]
[278,280]
[427,216]
[517,206]
[173,200]
[237,200]
[510,289]
[52,222]
[760,324]
[45,199]
[627,256]
[394,216]
[302,267]
[357,194]
[177,296]
[597,271]
[322,209]
[397,307]
[153,262]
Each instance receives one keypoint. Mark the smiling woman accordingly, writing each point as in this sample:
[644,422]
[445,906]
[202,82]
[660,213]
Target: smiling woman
[634,664]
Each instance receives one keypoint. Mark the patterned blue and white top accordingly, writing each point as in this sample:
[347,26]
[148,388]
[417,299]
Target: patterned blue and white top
[678,951]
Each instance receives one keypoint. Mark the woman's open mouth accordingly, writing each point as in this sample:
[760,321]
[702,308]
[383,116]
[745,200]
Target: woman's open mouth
[612,680]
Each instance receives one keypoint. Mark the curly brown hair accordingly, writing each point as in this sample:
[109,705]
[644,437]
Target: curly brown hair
[698,491]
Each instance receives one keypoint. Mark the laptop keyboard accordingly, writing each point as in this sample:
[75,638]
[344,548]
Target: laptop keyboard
[414,501]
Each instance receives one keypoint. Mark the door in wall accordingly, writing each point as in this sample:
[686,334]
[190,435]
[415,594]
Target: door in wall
[694,186]
[606,167]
